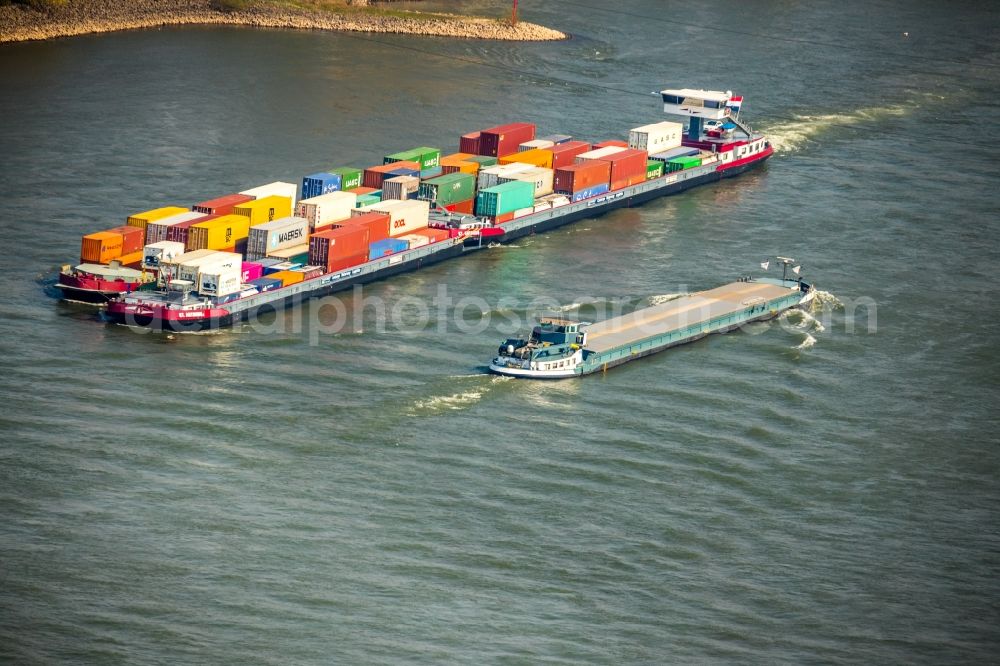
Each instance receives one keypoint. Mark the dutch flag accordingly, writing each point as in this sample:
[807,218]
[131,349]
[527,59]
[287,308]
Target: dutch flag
[735,102]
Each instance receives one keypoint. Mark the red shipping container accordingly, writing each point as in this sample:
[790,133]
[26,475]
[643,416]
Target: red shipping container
[627,167]
[221,205]
[376,174]
[332,245]
[613,142]
[360,191]
[179,232]
[435,235]
[469,143]
[505,139]
[576,177]
[564,154]
[133,238]
[462,207]
[377,224]
[346,262]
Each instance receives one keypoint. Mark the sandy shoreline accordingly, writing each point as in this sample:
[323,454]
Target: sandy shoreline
[81,17]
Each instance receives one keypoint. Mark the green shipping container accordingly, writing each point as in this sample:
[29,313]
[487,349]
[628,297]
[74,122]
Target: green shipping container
[349,177]
[505,198]
[482,160]
[366,200]
[654,169]
[678,163]
[448,189]
[427,158]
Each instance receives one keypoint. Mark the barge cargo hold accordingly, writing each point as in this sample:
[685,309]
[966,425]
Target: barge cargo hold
[182,308]
[559,348]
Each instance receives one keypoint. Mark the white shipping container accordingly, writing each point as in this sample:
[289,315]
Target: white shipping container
[399,187]
[554,199]
[277,234]
[279,188]
[165,250]
[598,154]
[156,230]
[415,240]
[169,267]
[220,282]
[535,143]
[521,212]
[489,176]
[541,205]
[217,261]
[324,210]
[405,217]
[657,137]
[539,176]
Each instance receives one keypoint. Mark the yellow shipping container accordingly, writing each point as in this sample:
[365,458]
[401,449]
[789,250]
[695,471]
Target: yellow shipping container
[457,162]
[219,234]
[536,156]
[141,220]
[263,210]
[287,277]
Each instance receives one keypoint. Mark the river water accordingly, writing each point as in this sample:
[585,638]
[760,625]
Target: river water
[820,489]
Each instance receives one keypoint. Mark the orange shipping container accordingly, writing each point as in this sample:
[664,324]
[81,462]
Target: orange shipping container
[540,157]
[287,277]
[100,247]
[377,223]
[133,238]
[376,174]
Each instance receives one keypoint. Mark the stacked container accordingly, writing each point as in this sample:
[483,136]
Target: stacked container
[564,154]
[318,184]
[142,220]
[584,180]
[557,138]
[504,139]
[378,224]
[426,158]
[458,162]
[375,175]
[278,234]
[324,210]
[657,137]
[628,167]
[449,189]
[539,177]
[266,209]
[337,249]
[105,246]
[221,205]
[278,188]
[163,251]
[654,169]
[405,216]
[505,198]
[350,178]
[490,176]
[179,232]
[598,153]
[540,157]
[220,233]
[400,187]
[159,230]
[535,143]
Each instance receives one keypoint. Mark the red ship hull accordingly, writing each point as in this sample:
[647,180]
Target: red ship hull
[92,289]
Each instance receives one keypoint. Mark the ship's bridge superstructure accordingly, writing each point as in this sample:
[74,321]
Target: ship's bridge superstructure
[702,105]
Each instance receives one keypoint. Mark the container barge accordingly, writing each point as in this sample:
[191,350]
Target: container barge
[559,348]
[237,256]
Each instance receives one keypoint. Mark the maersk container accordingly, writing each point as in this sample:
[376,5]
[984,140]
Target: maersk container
[400,187]
[381,248]
[535,143]
[404,216]
[324,210]
[557,138]
[266,284]
[159,230]
[656,137]
[350,177]
[276,235]
[277,188]
[218,233]
[165,250]
[505,198]
[586,193]
[504,139]
[564,154]
[221,205]
[682,151]
[448,189]
[140,220]
[654,169]
[267,209]
[576,177]
[540,177]
[321,183]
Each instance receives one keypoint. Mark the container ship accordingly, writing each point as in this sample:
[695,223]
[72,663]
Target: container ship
[229,258]
[560,348]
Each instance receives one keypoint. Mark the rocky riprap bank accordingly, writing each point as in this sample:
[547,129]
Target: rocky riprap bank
[79,17]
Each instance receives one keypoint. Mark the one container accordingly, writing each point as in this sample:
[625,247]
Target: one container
[541,157]
[564,154]
[427,158]
[350,177]
[415,240]
[656,137]
[317,184]
[467,207]
[378,224]
[654,169]
[329,246]
[505,198]
[219,282]
[221,205]
[483,160]
[362,190]
[375,175]
[324,210]
[628,167]
[576,177]
[504,139]
[404,216]
[589,192]
[682,151]
[611,143]
[153,253]
[276,235]
[539,177]
[448,189]
[457,162]
[218,233]
[140,220]
[400,187]
[159,230]
[680,163]
[388,246]
[469,143]
[189,265]
[310,272]
[369,200]
[297,254]
[535,143]
[266,283]
[599,153]
[277,188]
[132,238]
[490,176]
[287,277]
[100,247]
[266,209]
[346,262]
[251,271]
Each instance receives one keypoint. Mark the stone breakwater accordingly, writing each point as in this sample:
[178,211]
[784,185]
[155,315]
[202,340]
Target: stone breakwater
[79,17]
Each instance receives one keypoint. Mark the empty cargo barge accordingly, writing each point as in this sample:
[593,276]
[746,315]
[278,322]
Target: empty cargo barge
[559,348]
[231,258]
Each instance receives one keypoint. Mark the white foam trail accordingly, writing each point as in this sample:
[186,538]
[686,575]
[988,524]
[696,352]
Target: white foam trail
[807,343]
[793,135]
[663,298]
[454,401]
[809,321]
[824,300]
[571,306]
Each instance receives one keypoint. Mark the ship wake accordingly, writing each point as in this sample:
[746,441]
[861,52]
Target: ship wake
[802,130]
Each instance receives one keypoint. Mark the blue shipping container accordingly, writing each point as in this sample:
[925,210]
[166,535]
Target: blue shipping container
[403,171]
[386,246]
[590,192]
[556,138]
[320,183]
[266,284]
